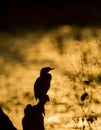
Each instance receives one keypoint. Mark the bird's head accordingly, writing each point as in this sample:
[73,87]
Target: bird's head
[45,70]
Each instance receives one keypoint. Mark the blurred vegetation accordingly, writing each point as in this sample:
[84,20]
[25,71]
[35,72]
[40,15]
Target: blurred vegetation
[74,52]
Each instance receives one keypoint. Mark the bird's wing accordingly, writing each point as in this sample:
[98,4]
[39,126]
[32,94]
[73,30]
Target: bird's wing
[37,88]
[41,86]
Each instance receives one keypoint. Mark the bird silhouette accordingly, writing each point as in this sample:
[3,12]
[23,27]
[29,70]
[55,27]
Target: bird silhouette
[42,83]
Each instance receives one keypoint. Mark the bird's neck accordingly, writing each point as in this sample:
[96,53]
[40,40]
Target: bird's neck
[43,74]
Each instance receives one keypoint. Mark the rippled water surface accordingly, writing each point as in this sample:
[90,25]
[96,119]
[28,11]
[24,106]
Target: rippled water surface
[76,56]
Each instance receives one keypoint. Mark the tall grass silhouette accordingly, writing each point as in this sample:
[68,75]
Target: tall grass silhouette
[87,118]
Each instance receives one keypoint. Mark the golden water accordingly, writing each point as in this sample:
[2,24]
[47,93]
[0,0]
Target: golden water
[76,56]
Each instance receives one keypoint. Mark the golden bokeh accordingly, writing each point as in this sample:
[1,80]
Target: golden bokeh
[75,53]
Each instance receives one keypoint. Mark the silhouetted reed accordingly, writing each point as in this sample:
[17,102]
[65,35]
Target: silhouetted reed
[88,117]
[87,81]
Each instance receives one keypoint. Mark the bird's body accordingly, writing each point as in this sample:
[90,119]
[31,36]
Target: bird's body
[42,83]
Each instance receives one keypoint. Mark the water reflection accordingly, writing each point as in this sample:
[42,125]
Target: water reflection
[76,58]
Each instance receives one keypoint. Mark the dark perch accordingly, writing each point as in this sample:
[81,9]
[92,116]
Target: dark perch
[5,122]
[34,115]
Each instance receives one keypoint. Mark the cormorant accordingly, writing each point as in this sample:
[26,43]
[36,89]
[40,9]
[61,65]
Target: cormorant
[42,83]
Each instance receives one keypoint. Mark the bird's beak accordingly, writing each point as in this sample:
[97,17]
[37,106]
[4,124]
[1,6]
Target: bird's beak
[52,68]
